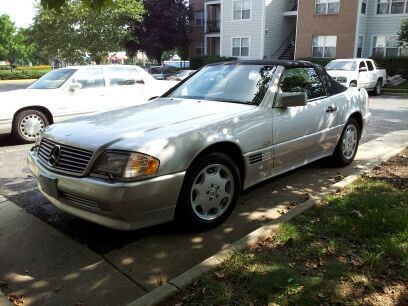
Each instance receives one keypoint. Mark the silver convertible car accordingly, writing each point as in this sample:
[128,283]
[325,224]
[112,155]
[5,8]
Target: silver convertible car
[187,155]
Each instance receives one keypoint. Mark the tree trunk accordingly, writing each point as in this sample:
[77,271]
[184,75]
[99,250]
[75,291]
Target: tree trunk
[158,56]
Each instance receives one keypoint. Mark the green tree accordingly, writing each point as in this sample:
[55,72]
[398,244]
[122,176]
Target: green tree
[74,29]
[403,33]
[164,27]
[13,42]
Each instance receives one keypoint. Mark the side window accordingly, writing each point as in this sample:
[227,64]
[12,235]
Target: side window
[370,66]
[303,80]
[362,64]
[120,76]
[90,78]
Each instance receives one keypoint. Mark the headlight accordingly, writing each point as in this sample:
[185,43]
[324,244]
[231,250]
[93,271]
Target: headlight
[125,165]
[342,79]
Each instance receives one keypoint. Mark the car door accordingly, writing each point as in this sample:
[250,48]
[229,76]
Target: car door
[89,98]
[303,133]
[371,74]
[126,87]
[363,75]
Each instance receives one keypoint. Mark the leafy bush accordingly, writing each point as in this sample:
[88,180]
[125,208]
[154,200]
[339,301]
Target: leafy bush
[6,67]
[39,67]
[200,61]
[393,65]
[318,60]
[21,75]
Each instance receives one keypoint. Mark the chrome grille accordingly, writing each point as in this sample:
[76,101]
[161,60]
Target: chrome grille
[72,160]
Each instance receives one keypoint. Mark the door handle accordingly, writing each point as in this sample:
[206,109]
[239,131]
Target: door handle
[331,109]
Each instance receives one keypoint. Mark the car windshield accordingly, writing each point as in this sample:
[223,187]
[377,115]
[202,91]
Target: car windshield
[182,74]
[53,79]
[342,65]
[227,83]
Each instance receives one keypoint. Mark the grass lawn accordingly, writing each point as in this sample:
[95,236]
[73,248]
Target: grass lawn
[350,250]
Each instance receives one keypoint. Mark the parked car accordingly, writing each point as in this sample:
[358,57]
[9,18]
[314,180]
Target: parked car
[187,155]
[161,72]
[72,91]
[358,72]
[181,75]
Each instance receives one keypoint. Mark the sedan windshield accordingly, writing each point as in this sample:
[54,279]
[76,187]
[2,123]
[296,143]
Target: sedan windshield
[227,83]
[342,65]
[53,79]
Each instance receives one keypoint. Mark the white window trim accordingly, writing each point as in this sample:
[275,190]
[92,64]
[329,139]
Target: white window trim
[240,20]
[327,8]
[385,48]
[249,46]
[324,47]
[404,12]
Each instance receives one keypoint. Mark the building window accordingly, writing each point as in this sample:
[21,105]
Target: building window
[391,6]
[360,46]
[384,46]
[240,46]
[324,46]
[327,7]
[242,9]
[199,50]
[364,7]
[199,18]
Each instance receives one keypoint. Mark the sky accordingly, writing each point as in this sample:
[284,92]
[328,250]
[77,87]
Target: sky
[21,12]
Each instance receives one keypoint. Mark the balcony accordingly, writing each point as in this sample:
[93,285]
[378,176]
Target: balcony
[291,8]
[213,26]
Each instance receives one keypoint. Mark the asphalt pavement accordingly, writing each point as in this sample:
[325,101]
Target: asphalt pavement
[150,256]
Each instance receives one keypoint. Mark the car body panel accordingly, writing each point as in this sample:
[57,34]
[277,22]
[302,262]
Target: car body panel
[175,131]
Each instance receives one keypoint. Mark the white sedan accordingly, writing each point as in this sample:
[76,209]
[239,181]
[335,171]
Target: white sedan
[68,92]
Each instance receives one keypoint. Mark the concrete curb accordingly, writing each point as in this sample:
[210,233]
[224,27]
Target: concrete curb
[177,284]
[3,300]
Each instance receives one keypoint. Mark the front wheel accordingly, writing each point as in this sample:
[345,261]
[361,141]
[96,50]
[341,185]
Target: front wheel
[28,124]
[347,146]
[209,193]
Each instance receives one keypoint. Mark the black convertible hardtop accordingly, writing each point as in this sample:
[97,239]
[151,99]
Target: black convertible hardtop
[332,87]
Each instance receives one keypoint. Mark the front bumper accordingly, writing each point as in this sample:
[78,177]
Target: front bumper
[118,205]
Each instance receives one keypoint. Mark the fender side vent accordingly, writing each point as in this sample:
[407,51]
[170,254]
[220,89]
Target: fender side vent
[255,158]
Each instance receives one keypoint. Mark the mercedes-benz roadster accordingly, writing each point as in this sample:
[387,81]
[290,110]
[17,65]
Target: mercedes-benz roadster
[187,155]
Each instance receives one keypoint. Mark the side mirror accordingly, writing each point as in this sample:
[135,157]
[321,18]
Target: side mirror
[75,86]
[363,69]
[290,99]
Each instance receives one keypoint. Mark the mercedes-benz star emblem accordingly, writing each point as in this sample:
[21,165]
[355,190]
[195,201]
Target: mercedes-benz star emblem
[54,155]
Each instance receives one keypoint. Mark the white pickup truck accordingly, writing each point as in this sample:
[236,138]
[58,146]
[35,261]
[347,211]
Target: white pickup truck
[358,72]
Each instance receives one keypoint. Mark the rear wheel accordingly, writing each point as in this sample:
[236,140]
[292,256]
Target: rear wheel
[353,84]
[209,193]
[347,146]
[28,124]
[377,88]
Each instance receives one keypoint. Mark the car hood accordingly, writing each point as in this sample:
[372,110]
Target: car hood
[127,128]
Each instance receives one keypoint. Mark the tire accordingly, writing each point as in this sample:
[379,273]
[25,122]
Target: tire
[209,193]
[377,88]
[27,125]
[353,84]
[347,146]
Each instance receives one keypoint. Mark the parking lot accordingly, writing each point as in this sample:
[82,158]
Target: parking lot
[151,256]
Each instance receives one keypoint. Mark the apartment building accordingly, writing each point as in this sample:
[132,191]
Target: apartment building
[247,29]
[255,29]
[349,28]
[197,28]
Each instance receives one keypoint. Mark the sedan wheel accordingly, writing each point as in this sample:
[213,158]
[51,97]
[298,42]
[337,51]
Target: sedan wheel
[347,146]
[209,192]
[212,192]
[28,124]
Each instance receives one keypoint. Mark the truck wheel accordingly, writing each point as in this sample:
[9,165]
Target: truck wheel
[209,193]
[28,124]
[347,146]
[353,84]
[377,88]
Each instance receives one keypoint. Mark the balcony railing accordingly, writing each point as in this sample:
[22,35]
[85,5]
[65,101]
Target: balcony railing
[213,26]
[291,5]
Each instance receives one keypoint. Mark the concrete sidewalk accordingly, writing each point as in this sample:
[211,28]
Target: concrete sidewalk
[47,268]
